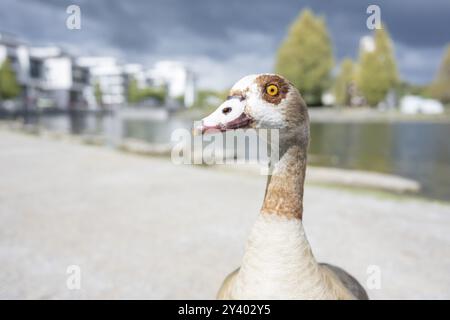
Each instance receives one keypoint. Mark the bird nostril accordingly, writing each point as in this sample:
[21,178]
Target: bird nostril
[226,110]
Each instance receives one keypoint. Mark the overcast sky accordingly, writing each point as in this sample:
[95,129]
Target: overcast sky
[223,40]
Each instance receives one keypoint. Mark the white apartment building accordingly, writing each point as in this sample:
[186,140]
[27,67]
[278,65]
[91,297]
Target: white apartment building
[108,74]
[56,80]
[114,79]
[137,72]
[179,80]
[48,76]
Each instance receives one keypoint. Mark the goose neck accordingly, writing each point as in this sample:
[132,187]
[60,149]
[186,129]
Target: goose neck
[284,190]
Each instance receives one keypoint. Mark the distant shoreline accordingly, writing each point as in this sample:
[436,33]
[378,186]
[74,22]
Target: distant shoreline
[336,114]
[362,115]
[317,114]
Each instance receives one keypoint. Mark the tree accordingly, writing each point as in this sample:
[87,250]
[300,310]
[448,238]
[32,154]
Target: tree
[305,57]
[343,82]
[136,94]
[98,93]
[9,87]
[133,91]
[377,70]
[440,88]
[157,93]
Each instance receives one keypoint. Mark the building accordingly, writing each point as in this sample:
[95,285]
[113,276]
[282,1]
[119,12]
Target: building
[114,78]
[418,105]
[134,71]
[48,76]
[52,78]
[56,80]
[107,74]
[179,80]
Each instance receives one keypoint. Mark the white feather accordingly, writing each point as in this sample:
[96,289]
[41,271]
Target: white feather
[278,263]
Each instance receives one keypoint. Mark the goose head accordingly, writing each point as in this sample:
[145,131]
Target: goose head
[263,101]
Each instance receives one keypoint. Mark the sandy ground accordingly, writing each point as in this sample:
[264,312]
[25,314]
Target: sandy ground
[142,227]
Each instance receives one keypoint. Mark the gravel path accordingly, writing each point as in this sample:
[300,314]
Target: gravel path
[144,228]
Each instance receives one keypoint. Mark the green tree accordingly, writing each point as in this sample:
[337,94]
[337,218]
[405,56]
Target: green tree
[440,88]
[157,93]
[343,82]
[136,94]
[133,91]
[377,70]
[98,93]
[9,87]
[305,57]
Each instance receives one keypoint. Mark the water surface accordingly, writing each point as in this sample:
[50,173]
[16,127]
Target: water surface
[416,150]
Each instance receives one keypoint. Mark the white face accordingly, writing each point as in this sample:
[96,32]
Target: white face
[253,102]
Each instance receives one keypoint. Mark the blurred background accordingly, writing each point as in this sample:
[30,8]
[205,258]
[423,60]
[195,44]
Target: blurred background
[86,81]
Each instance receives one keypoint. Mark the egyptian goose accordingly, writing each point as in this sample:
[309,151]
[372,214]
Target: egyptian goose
[278,262]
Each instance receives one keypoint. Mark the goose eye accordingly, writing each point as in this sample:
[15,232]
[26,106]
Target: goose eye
[272,90]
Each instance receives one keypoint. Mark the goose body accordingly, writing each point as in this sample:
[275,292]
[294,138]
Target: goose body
[278,262]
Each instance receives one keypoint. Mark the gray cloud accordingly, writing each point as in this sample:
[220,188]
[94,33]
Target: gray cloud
[227,37]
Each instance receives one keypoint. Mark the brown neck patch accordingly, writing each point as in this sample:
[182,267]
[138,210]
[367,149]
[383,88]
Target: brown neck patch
[284,191]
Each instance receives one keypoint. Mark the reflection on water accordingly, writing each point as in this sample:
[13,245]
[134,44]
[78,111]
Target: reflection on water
[420,151]
[79,122]
[154,131]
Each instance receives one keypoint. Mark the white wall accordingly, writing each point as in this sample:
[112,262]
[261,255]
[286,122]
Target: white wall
[179,81]
[57,73]
[110,75]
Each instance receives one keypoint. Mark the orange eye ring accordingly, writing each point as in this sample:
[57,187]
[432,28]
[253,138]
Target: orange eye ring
[272,90]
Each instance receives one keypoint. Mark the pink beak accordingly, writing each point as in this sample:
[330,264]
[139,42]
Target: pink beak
[243,121]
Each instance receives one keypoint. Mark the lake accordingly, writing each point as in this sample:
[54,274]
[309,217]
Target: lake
[416,150]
